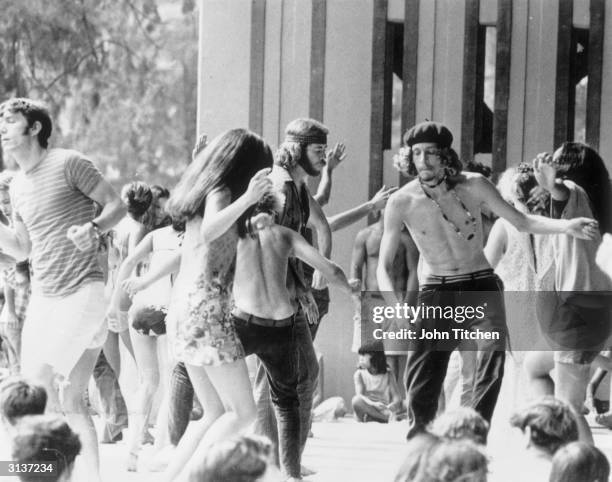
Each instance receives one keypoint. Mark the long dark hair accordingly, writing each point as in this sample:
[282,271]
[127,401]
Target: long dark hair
[584,166]
[231,159]
[378,359]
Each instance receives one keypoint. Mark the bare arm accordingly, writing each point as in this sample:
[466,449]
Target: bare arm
[16,241]
[333,158]
[359,386]
[166,268]
[496,244]
[412,265]
[320,224]
[585,228]
[330,270]
[220,213]
[388,248]
[358,257]
[353,215]
[127,267]
[113,208]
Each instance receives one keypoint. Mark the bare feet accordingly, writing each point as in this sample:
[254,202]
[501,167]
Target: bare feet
[132,462]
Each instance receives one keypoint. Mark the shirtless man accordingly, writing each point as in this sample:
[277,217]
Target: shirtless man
[365,255]
[265,318]
[441,209]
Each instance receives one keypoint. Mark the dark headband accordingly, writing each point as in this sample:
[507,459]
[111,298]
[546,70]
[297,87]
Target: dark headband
[307,139]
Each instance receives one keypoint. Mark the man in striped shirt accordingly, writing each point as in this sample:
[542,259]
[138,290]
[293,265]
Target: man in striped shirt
[54,198]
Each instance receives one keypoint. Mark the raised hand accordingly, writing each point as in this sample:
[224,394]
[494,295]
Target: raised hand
[259,186]
[335,156]
[583,228]
[544,171]
[379,200]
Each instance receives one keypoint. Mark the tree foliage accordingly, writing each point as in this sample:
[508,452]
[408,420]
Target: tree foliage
[120,77]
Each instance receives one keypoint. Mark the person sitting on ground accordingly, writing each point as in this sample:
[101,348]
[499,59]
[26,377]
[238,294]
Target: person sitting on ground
[547,424]
[18,398]
[377,397]
[579,461]
[46,439]
[462,424]
[246,459]
[414,466]
[455,461]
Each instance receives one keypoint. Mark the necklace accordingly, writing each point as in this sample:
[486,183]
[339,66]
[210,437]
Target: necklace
[470,217]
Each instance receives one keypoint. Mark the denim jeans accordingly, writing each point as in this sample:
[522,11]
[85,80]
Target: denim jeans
[276,348]
[111,402]
[180,403]
[308,373]
[428,359]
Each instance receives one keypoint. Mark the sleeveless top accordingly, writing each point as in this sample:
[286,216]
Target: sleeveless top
[377,386]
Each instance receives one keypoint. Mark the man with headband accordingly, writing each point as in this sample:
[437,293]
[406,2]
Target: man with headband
[441,209]
[301,155]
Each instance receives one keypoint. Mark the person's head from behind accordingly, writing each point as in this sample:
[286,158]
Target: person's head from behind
[430,156]
[229,161]
[547,423]
[456,461]
[372,358]
[22,272]
[418,449]
[46,439]
[518,186]
[579,461]
[460,424]
[21,119]
[137,197]
[246,459]
[19,398]
[582,164]
[305,145]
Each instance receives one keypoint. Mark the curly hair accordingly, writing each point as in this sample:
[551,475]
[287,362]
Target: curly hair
[450,159]
[462,423]
[137,196]
[519,184]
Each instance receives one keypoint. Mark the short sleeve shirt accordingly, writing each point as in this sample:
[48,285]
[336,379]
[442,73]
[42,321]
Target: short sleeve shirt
[48,199]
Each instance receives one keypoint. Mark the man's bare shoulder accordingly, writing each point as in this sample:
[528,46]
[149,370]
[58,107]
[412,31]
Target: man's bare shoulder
[470,180]
[405,194]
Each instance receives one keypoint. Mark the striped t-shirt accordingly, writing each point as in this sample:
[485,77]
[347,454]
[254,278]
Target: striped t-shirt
[48,199]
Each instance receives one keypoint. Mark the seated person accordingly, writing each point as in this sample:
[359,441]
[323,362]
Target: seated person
[462,424]
[579,461]
[547,425]
[18,398]
[46,439]
[418,449]
[377,397]
[246,459]
[456,460]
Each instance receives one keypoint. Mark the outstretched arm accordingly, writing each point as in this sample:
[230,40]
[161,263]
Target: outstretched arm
[353,215]
[166,268]
[585,228]
[388,248]
[330,270]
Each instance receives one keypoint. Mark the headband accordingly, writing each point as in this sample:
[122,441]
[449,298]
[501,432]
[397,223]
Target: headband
[307,139]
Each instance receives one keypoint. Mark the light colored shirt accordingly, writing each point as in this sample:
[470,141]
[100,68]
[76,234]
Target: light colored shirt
[49,199]
[575,258]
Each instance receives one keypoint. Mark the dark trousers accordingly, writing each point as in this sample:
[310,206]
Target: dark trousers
[114,411]
[277,349]
[428,359]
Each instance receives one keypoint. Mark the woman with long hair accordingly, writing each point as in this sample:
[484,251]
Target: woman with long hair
[214,197]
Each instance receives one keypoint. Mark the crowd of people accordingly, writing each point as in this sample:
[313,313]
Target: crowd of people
[235,261]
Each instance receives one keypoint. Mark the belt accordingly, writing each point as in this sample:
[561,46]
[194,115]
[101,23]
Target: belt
[256,320]
[458,278]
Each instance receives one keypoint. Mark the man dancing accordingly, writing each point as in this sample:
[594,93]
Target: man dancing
[54,200]
[441,209]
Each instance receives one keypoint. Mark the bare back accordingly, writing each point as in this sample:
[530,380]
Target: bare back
[260,280]
[445,252]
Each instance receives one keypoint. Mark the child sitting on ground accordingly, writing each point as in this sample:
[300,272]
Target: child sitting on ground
[377,397]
